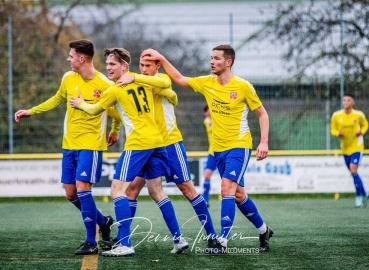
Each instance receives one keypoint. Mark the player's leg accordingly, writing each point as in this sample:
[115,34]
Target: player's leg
[68,177]
[250,211]
[166,207]
[209,168]
[180,174]
[362,196]
[128,166]
[133,191]
[352,162]
[154,169]
[88,172]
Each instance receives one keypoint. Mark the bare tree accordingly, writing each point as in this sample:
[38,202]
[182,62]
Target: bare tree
[310,33]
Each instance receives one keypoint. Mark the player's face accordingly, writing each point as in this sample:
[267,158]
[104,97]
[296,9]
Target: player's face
[218,63]
[348,103]
[149,67]
[207,113]
[75,60]
[114,68]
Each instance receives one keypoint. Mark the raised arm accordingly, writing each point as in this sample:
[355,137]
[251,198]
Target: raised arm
[262,150]
[174,74]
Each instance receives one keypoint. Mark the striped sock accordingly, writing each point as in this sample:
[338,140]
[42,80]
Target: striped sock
[170,218]
[89,215]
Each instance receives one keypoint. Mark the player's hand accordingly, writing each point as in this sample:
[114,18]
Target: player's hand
[21,114]
[262,151]
[73,102]
[359,133]
[340,134]
[112,139]
[151,54]
[125,79]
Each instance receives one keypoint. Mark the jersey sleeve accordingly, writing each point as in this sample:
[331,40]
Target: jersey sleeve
[252,98]
[108,98]
[48,105]
[152,80]
[167,93]
[92,109]
[334,126]
[363,124]
[196,83]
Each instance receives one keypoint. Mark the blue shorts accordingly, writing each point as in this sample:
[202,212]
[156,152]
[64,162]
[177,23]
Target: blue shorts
[81,165]
[354,158]
[232,163]
[210,163]
[178,164]
[149,164]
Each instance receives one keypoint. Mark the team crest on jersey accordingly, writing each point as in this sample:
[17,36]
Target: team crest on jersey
[233,95]
[97,93]
[354,121]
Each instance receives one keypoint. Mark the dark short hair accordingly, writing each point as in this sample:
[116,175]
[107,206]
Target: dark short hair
[228,51]
[206,107]
[349,95]
[83,46]
[121,54]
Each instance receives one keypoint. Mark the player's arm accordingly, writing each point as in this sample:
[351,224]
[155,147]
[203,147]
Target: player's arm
[364,125]
[143,79]
[48,105]
[262,149]
[115,126]
[79,103]
[174,74]
[334,128]
[169,94]
[114,114]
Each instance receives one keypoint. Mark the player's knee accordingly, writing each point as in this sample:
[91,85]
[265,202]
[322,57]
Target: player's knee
[188,190]
[132,193]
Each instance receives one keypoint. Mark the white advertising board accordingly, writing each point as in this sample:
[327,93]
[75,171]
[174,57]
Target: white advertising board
[311,174]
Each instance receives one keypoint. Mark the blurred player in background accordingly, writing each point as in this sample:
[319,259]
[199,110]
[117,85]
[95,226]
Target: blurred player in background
[84,139]
[178,163]
[350,125]
[144,152]
[229,98]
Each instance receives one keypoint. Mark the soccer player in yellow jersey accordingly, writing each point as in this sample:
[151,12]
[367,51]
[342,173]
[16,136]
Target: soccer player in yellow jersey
[178,163]
[144,150]
[84,139]
[229,98]
[350,125]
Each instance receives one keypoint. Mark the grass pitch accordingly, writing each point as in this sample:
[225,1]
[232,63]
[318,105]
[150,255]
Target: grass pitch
[309,233]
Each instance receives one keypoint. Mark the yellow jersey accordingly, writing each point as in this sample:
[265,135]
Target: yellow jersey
[209,131]
[165,116]
[349,125]
[135,104]
[81,130]
[229,106]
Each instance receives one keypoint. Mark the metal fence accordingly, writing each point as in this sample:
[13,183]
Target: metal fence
[299,113]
